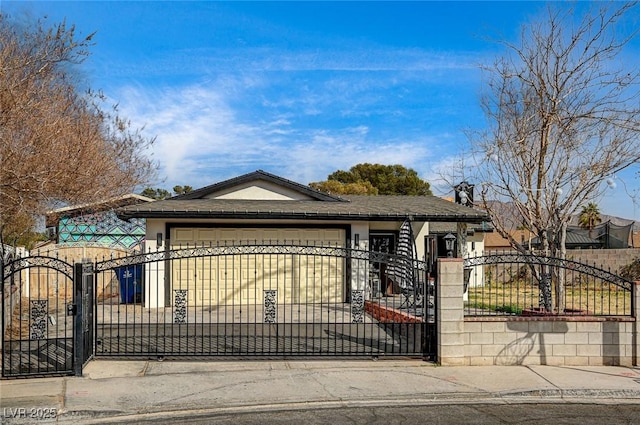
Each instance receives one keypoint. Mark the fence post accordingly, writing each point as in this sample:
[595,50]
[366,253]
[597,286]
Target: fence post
[450,312]
[78,342]
[635,305]
[83,298]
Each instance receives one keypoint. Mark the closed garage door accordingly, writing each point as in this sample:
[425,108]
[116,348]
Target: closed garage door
[242,279]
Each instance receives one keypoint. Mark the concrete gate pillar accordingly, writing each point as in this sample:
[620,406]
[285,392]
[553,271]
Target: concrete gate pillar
[450,312]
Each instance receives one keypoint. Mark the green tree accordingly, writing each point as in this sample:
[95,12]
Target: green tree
[160,193]
[181,190]
[377,179]
[589,216]
[58,145]
[157,193]
[335,187]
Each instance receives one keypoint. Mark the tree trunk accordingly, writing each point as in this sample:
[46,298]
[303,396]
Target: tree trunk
[544,281]
[559,276]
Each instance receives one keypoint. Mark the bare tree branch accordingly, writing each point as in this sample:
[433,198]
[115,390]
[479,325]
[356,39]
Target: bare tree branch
[563,115]
[57,144]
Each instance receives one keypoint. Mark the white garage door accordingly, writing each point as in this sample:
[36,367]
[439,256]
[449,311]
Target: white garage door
[242,279]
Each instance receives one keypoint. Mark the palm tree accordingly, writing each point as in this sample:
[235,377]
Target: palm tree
[590,216]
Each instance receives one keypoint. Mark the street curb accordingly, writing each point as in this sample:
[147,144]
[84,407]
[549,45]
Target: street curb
[524,397]
[577,393]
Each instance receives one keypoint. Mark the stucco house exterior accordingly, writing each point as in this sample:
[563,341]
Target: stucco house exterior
[260,207]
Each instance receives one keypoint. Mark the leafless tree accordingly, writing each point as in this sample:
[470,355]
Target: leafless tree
[563,113]
[58,144]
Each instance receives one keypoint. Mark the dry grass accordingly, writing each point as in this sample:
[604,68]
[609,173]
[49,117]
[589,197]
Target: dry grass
[19,327]
[512,298]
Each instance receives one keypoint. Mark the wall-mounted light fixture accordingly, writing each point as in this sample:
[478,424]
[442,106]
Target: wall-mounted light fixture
[356,239]
[449,243]
[159,239]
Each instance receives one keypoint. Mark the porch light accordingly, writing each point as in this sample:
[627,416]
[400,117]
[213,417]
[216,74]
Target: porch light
[159,239]
[449,242]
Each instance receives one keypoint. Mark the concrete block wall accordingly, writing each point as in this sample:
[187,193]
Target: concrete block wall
[609,259]
[557,340]
[539,341]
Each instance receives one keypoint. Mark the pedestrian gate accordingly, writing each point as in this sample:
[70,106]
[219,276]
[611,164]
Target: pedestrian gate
[47,316]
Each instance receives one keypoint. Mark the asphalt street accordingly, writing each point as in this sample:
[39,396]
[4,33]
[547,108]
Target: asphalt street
[458,414]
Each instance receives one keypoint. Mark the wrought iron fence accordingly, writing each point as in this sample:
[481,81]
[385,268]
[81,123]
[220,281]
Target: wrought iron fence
[38,333]
[512,284]
[260,299]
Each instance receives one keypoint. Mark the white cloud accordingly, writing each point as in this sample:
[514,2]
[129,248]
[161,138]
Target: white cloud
[195,129]
[202,139]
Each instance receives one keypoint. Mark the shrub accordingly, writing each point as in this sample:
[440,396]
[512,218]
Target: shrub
[632,270]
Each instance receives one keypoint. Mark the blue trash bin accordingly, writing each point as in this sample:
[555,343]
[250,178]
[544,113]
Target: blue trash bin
[130,278]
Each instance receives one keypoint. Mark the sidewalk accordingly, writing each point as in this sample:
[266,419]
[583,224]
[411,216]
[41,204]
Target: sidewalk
[127,391]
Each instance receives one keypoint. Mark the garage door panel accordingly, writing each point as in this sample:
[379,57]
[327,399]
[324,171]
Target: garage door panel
[334,235]
[182,236]
[236,279]
[270,235]
[206,235]
[323,277]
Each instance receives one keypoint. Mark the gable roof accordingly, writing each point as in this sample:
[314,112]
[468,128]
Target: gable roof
[257,176]
[316,206]
[574,240]
[390,208]
[495,241]
[52,217]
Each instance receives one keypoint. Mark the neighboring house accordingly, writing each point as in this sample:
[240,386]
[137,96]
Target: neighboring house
[603,236]
[494,242]
[97,224]
[261,207]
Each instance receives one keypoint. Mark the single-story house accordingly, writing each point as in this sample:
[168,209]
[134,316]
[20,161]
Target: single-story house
[262,207]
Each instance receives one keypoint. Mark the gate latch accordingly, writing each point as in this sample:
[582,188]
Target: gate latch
[72,310]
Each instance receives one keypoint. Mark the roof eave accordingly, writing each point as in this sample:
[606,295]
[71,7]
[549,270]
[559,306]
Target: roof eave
[284,215]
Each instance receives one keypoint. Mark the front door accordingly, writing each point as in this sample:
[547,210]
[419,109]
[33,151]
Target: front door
[386,243]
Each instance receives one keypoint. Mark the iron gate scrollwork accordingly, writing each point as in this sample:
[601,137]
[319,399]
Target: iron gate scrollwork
[261,299]
[37,334]
[47,316]
[513,283]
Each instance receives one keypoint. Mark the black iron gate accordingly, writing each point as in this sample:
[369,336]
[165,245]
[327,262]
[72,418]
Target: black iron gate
[83,311]
[262,300]
[44,330]
[230,301]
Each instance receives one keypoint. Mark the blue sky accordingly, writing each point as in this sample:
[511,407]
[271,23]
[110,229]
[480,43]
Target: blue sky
[299,89]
